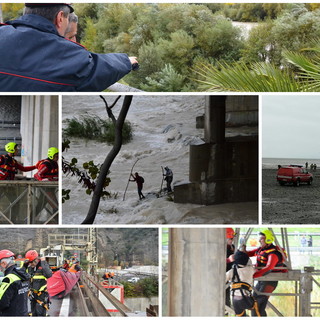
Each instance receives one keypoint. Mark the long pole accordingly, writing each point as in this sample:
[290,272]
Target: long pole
[124,195]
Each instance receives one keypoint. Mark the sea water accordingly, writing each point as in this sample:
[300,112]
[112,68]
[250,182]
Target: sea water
[272,163]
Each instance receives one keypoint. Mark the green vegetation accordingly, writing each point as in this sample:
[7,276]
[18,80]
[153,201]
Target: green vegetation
[11,11]
[280,56]
[147,287]
[86,175]
[95,128]
[195,47]
[285,304]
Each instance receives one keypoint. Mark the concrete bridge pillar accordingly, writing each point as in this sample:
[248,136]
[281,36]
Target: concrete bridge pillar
[215,119]
[39,127]
[197,272]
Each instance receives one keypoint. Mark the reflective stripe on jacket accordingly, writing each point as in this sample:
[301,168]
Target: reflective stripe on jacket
[263,254]
[14,293]
[5,285]
[39,276]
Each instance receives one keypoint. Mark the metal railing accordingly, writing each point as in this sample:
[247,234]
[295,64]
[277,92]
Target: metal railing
[29,202]
[93,288]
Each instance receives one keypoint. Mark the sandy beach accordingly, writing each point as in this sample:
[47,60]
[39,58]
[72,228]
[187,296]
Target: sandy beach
[288,204]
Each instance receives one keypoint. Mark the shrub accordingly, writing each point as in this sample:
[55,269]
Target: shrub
[95,128]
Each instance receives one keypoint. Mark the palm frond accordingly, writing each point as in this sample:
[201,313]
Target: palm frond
[239,77]
[309,70]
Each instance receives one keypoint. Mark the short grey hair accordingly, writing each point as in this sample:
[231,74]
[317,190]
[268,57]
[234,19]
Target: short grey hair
[48,12]
[73,18]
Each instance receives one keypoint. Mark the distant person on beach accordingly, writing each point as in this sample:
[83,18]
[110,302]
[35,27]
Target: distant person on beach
[307,165]
[140,181]
[313,167]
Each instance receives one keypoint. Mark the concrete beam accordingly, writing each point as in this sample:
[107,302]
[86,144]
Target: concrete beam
[196,273]
[215,119]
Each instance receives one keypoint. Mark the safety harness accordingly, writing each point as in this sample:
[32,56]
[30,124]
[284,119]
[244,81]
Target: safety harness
[237,284]
[34,293]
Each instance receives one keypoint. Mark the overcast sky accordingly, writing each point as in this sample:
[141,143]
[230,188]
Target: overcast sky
[291,127]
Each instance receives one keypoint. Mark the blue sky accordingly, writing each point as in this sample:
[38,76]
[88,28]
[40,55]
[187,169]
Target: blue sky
[291,126]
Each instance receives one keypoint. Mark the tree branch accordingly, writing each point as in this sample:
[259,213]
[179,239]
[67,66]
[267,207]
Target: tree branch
[108,161]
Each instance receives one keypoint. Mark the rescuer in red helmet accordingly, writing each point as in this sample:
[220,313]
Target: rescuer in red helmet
[13,288]
[39,271]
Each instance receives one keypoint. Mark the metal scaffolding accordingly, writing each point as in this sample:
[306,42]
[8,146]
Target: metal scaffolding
[303,279]
[29,202]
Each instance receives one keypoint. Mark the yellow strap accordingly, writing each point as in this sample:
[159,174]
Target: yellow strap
[43,288]
[270,250]
[39,277]
[43,304]
[256,308]
[241,314]
[241,285]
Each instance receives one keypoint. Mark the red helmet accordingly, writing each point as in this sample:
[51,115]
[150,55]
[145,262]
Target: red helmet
[31,255]
[230,233]
[6,254]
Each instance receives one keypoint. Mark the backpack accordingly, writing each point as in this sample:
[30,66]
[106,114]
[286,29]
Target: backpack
[142,180]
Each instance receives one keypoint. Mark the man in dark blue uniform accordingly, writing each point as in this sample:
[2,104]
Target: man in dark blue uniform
[13,288]
[35,56]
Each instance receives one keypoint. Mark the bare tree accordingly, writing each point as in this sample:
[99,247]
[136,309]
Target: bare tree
[118,124]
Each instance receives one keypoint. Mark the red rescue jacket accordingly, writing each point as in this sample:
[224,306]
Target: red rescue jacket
[10,166]
[267,259]
[47,169]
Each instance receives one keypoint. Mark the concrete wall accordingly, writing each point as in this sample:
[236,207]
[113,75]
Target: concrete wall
[223,169]
[39,127]
[140,304]
[196,282]
[242,110]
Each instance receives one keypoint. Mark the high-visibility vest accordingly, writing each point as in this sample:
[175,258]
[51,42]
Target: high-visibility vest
[5,285]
